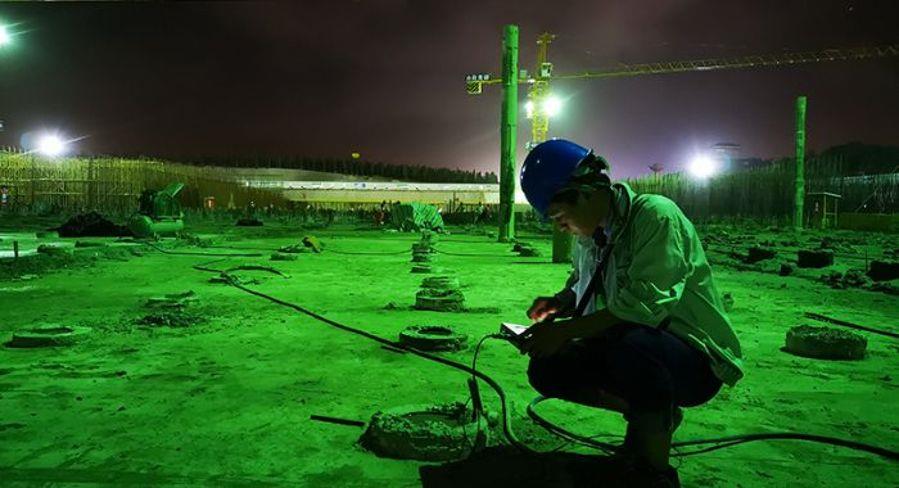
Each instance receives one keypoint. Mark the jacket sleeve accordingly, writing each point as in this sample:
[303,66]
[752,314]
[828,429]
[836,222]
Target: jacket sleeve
[649,287]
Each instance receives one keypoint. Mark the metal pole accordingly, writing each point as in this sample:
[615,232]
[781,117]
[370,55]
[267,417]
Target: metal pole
[799,197]
[508,126]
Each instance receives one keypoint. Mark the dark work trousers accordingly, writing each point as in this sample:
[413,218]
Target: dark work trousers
[651,369]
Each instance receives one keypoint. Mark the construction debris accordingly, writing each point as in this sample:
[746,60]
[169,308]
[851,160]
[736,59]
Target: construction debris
[728,300]
[91,224]
[525,250]
[248,222]
[294,249]
[850,279]
[55,250]
[757,253]
[172,300]
[170,317]
[816,258]
[283,256]
[313,243]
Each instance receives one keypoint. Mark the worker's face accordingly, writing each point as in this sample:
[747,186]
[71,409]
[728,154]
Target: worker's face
[580,216]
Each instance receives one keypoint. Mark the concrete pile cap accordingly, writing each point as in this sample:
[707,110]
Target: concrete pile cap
[440,300]
[49,335]
[440,282]
[421,432]
[884,270]
[825,343]
[759,253]
[423,247]
[422,257]
[817,258]
[433,338]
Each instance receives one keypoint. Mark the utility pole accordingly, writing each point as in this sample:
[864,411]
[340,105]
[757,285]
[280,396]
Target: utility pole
[799,197]
[508,126]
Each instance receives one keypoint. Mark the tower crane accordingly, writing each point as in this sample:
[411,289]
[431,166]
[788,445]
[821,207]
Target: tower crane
[541,105]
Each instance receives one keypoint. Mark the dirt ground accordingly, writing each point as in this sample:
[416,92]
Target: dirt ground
[225,397]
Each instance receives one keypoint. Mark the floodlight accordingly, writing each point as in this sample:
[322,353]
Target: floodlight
[552,106]
[51,145]
[703,166]
[5,38]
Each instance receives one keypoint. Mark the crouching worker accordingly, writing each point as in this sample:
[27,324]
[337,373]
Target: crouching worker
[647,332]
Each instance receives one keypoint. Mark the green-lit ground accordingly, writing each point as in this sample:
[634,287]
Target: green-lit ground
[228,401]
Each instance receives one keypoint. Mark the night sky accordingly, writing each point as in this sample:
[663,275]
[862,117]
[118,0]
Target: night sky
[386,78]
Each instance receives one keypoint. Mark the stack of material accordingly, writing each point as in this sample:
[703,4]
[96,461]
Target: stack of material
[440,294]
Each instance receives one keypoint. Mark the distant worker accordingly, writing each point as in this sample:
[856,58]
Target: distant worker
[647,332]
[381,214]
[480,214]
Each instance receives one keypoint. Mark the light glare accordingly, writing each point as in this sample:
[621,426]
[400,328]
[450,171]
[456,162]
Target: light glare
[51,145]
[703,166]
[529,109]
[552,106]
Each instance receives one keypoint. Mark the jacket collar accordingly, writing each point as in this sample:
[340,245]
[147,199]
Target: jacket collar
[622,200]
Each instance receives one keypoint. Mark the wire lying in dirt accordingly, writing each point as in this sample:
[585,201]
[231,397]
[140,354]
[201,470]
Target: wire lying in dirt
[715,443]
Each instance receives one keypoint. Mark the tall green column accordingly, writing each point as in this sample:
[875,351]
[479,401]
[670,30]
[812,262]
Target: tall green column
[508,126]
[799,197]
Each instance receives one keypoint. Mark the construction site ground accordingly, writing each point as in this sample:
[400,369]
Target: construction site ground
[224,398]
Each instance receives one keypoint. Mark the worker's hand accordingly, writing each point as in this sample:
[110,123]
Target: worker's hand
[542,308]
[544,339]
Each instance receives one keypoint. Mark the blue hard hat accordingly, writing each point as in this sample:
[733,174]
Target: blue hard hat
[547,169]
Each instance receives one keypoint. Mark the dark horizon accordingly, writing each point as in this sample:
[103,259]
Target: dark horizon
[386,79]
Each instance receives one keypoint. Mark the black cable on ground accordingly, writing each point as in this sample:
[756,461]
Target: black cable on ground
[266,249]
[211,254]
[718,443]
[476,255]
[334,251]
[721,442]
[507,426]
[366,253]
[831,320]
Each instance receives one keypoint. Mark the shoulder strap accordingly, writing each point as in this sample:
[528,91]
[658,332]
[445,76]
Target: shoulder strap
[600,270]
